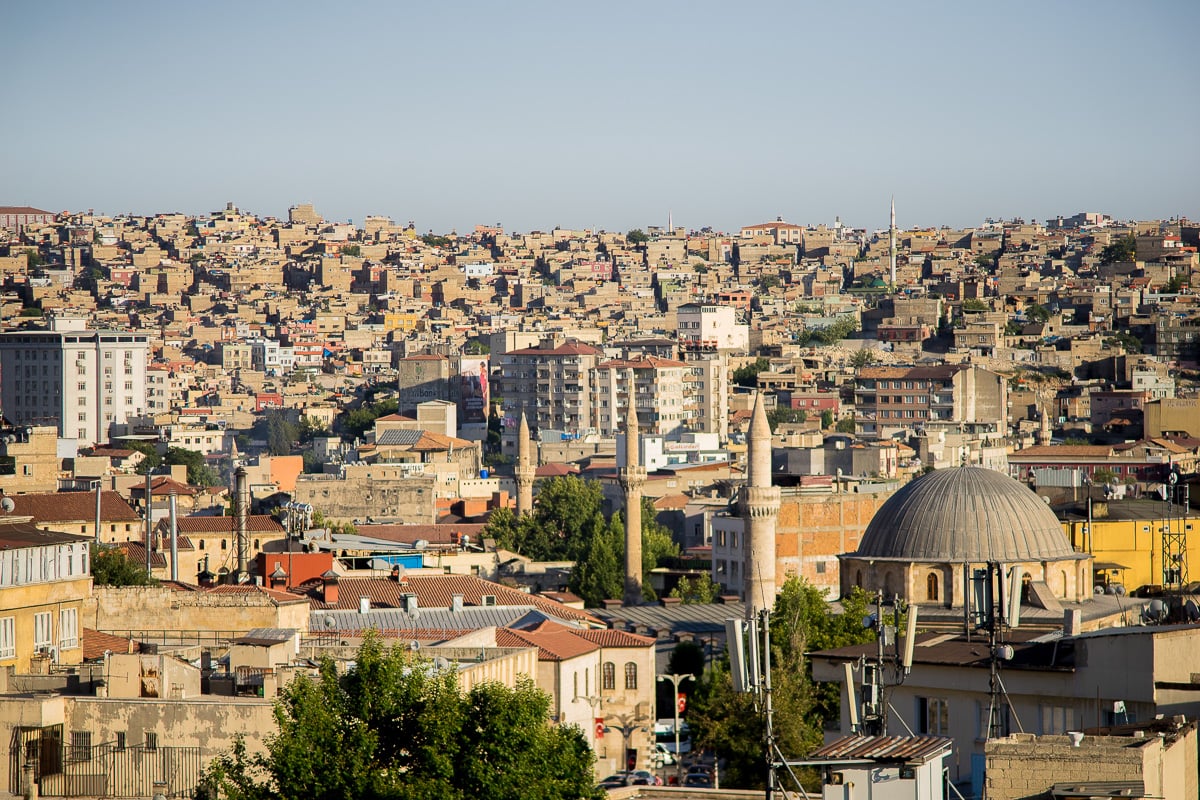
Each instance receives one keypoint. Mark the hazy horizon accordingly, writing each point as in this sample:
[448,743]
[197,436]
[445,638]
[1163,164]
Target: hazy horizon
[537,114]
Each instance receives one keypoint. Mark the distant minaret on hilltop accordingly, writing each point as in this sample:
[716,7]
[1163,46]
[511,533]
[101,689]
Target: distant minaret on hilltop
[526,470]
[892,242]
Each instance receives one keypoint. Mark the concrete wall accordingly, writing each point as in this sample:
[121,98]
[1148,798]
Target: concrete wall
[1025,766]
[158,608]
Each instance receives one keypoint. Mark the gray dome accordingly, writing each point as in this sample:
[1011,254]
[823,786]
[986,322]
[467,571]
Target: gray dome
[965,514]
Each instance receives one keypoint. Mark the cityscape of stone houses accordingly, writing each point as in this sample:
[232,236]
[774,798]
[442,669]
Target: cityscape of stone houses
[360,400]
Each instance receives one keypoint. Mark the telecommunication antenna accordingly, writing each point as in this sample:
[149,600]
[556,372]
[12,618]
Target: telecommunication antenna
[869,717]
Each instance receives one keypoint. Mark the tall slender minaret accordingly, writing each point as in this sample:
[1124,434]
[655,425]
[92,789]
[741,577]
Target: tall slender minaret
[632,477]
[760,506]
[525,469]
[892,242]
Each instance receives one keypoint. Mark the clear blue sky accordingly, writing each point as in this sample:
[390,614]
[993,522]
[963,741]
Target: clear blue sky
[606,114]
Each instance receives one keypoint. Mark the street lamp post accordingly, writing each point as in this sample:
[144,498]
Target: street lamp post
[629,724]
[676,679]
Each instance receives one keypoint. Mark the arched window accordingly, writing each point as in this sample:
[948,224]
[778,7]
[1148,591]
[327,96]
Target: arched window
[256,544]
[630,675]
[608,676]
[931,587]
[223,544]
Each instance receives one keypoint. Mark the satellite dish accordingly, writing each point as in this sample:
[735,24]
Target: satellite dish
[8,505]
[329,622]
[440,663]
[414,645]
[420,544]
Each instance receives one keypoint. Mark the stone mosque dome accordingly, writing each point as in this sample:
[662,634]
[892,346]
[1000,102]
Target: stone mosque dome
[965,514]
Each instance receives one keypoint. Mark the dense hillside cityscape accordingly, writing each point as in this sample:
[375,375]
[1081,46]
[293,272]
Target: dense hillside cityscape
[578,475]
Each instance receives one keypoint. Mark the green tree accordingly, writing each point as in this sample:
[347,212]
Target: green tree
[974,304]
[637,237]
[198,472]
[152,459]
[768,282]
[111,567]
[279,431]
[35,260]
[845,425]
[985,260]
[352,250]
[1119,250]
[747,374]
[358,421]
[826,419]
[599,573]
[394,727]
[862,358]
[783,415]
[686,659]
[1038,313]
[699,590]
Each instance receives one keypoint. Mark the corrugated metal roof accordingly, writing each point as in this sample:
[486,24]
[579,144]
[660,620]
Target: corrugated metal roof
[884,748]
[395,437]
[391,619]
[965,514]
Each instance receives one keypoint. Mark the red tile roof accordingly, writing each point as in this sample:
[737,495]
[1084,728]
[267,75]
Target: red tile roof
[434,591]
[59,507]
[554,642]
[95,644]
[613,638]
[255,523]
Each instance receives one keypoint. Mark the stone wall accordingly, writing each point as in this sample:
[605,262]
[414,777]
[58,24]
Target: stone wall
[158,608]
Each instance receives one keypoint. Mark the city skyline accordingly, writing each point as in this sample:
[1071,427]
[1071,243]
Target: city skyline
[539,115]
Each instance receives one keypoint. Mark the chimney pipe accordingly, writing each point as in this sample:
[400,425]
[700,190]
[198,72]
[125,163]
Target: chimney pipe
[242,506]
[173,498]
[329,587]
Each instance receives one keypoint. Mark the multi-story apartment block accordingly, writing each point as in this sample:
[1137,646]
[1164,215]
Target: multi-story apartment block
[889,400]
[659,394]
[552,385]
[706,393]
[44,579]
[84,381]
[711,327]
[269,356]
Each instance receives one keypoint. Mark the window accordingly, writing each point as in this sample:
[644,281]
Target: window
[151,740]
[992,720]
[1056,719]
[608,676]
[43,630]
[120,740]
[81,746]
[931,587]
[8,637]
[933,716]
[630,675]
[68,628]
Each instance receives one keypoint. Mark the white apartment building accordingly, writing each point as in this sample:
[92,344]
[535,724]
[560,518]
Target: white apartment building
[553,386]
[706,393]
[269,356]
[84,381]
[658,385]
[164,390]
[707,326]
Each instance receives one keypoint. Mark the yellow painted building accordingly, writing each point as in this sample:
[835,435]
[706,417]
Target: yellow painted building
[45,577]
[1126,539]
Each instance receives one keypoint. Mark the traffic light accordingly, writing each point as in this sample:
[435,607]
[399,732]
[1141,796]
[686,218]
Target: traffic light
[630,759]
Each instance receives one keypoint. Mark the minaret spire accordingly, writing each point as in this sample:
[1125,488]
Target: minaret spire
[759,502]
[632,477]
[525,468]
[892,243]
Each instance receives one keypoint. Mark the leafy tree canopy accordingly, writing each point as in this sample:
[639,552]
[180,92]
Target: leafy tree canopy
[974,304]
[1123,249]
[840,329]
[637,236]
[747,375]
[111,567]
[699,590]
[358,421]
[568,524]
[845,425]
[862,358]
[783,415]
[395,728]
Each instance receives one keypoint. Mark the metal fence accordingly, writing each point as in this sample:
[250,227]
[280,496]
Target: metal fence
[111,769]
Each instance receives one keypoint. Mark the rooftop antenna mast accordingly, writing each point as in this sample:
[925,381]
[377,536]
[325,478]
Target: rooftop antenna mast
[1174,541]
[871,718]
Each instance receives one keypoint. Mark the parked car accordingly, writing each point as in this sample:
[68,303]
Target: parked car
[698,780]
[643,777]
[614,781]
